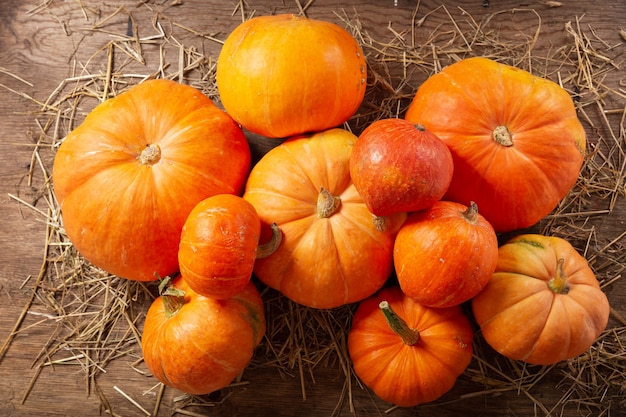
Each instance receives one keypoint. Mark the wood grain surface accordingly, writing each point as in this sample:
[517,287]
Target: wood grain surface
[43,42]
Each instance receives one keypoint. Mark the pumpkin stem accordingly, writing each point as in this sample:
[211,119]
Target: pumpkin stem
[150,155]
[173,298]
[503,135]
[398,325]
[471,214]
[266,249]
[559,283]
[420,127]
[327,204]
[381,223]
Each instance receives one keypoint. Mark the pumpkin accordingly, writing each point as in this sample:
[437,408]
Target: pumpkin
[129,175]
[405,352]
[331,252]
[198,344]
[543,304]
[445,255]
[515,139]
[219,244]
[399,166]
[284,75]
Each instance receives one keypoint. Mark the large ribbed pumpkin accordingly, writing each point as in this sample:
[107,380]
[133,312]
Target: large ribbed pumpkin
[515,139]
[285,75]
[332,252]
[543,304]
[129,175]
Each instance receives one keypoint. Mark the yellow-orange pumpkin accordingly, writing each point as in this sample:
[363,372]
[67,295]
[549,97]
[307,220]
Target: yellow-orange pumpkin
[285,75]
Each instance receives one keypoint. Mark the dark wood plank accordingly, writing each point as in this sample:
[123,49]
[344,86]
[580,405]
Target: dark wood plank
[47,42]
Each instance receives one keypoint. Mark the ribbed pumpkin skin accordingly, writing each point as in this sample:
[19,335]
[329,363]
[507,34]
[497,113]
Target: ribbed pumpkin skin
[286,75]
[445,255]
[218,245]
[515,186]
[207,343]
[408,375]
[323,261]
[522,318]
[125,215]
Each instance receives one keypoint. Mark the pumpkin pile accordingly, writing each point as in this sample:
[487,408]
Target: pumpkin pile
[403,218]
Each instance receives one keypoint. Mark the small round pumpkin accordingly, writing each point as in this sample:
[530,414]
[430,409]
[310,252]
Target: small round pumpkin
[198,344]
[446,254]
[284,75]
[219,244]
[515,139]
[130,174]
[331,253]
[407,353]
[543,304]
[399,166]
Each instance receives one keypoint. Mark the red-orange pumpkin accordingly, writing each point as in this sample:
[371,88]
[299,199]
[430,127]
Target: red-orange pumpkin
[398,166]
[516,141]
[331,253]
[198,344]
[129,175]
[407,353]
[285,75]
[543,304]
[219,244]
[445,255]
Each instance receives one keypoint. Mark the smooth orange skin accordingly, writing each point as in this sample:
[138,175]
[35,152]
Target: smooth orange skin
[514,186]
[207,343]
[523,319]
[321,262]
[285,75]
[396,167]
[218,246]
[441,258]
[402,374]
[124,216]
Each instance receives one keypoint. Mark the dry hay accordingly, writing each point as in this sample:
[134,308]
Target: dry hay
[96,317]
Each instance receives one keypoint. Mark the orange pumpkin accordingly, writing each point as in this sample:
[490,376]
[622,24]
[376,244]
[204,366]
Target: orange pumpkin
[129,175]
[285,75]
[198,344]
[445,255]
[516,142]
[398,166]
[219,244]
[543,304]
[407,353]
[331,253]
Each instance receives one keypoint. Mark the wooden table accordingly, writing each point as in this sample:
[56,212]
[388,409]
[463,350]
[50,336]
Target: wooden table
[44,42]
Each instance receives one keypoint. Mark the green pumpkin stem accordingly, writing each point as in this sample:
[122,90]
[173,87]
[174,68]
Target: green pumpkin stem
[398,325]
[327,204]
[558,283]
[173,298]
[266,249]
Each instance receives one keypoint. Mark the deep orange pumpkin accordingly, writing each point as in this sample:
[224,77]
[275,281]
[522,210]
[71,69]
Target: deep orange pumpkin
[407,353]
[331,253]
[445,255]
[198,344]
[398,166]
[516,141]
[543,304]
[129,175]
[219,244]
[285,75]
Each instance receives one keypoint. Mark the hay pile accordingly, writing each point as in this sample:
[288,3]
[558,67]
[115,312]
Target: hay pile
[96,316]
